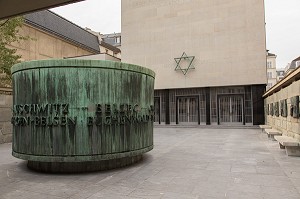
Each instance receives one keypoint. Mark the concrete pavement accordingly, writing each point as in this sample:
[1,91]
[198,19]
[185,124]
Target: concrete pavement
[185,163]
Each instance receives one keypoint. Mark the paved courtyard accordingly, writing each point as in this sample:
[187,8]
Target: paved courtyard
[185,163]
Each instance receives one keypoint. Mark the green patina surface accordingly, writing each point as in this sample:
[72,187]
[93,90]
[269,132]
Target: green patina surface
[81,110]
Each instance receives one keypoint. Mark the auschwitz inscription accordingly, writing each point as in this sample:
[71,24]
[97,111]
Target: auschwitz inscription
[57,115]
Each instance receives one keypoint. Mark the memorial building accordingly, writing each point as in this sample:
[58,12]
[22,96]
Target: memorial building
[209,58]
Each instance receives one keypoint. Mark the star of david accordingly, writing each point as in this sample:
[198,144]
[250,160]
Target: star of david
[184,57]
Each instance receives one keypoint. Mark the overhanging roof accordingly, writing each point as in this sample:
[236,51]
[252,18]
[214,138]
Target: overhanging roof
[56,25]
[286,81]
[10,8]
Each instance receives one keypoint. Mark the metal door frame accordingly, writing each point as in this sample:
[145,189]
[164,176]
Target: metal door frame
[159,108]
[229,95]
[188,96]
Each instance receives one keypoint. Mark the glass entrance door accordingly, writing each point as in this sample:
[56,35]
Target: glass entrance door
[188,110]
[231,109]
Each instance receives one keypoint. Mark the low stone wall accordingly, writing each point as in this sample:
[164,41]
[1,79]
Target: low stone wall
[5,115]
[282,110]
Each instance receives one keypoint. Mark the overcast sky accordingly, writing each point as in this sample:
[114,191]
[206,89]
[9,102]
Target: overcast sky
[100,15]
[282,23]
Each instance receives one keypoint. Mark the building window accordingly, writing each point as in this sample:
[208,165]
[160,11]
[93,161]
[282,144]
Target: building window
[269,64]
[297,64]
[269,75]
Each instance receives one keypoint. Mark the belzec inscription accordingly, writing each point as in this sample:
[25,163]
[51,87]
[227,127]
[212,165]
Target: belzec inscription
[41,115]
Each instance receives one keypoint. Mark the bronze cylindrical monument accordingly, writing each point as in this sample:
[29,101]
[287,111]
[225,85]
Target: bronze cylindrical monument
[81,115]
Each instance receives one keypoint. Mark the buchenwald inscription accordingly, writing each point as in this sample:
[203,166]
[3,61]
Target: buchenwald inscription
[52,115]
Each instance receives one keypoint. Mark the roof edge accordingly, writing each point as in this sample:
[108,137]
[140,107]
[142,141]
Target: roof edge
[28,22]
[286,81]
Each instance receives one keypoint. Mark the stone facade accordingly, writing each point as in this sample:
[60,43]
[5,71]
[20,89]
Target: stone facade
[45,46]
[271,70]
[5,116]
[221,42]
[227,39]
[288,123]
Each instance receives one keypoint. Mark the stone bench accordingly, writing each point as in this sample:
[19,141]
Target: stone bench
[263,127]
[291,145]
[272,132]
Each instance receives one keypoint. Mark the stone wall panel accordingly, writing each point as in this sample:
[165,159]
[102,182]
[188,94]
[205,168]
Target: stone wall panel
[288,125]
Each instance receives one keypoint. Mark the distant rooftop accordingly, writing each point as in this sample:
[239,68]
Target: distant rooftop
[113,39]
[110,47]
[51,22]
[293,63]
[271,54]
[112,34]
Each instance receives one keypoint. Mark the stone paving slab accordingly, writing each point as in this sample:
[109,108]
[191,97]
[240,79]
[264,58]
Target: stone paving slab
[185,163]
